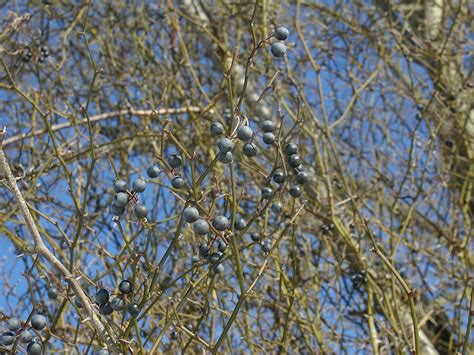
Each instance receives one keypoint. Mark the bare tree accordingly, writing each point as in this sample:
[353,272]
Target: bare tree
[222,239]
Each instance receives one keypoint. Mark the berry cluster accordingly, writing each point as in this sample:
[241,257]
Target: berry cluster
[278,49]
[19,334]
[42,53]
[107,306]
[123,196]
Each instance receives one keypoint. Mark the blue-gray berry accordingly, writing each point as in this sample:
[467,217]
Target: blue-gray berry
[53,293]
[225,158]
[278,49]
[240,223]
[153,171]
[177,182]
[281,33]
[102,296]
[249,150]
[245,133]
[125,286]
[295,191]
[219,269]
[255,237]
[34,348]
[190,214]
[279,176]
[38,322]
[290,149]
[221,223]
[276,207]
[116,210]
[294,160]
[117,304]
[140,211]
[214,257]
[268,126]
[302,177]
[13,324]
[216,129]
[121,199]
[267,193]
[7,339]
[120,186]
[221,247]
[26,336]
[269,138]
[204,250]
[201,227]
[175,161]
[133,309]
[106,309]
[225,145]
[266,246]
[139,185]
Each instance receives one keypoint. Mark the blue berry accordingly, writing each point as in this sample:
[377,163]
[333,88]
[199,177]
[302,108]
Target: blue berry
[294,160]
[121,199]
[13,324]
[214,257]
[53,293]
[195,259]
[282,33]
[240,223]
[302,177]
[295,191]
[7,339]
[38,322]
[249,150]
[125,286]
[140,211]
[102,296]
[190,214]
[276,207]
[117,304]
[221,223]
[153,171]
[106,309]
[221,247]
[268,126]
[139,185]
[216,129]
[133,309]
[120,186]
[26,336]
[225,145]
[278,49]
[225,158]
[175,161]
[255,237]
[290,149]
[279,176]
[201,227]
[219,269]
[266,246]
[34,348]
[177,182]
[269,138]
[267,193]
[116,210]
[245,133]
[204,250]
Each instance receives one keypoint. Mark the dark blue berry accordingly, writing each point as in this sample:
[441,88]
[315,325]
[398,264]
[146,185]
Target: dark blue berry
[290,149]
[38,322]
[279,176]
[201,227]
[268,126]
[133,309]
[175,161]
[278,49]
[190,214]
[255,237]
[121,199]
[214,257]
[221,247]
[266,246]
[295,191]
[267,193]
[117,304]
[7,339]
[106,309]
[139,185]
[282,33]
[269,138]
[219,268]
[294,160]
[225,158]
[34,348]
[216,129]
[116,210]
[221,223]
[102,296]
[140,211]
[26,336]
[276,207]
[245,133]
[13,324]
[225,145]
[153,171]
[302,177]
[125,286]
[120,186]
[177,182]
[53,293]
[240,223]
[204,250]
[249,150]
